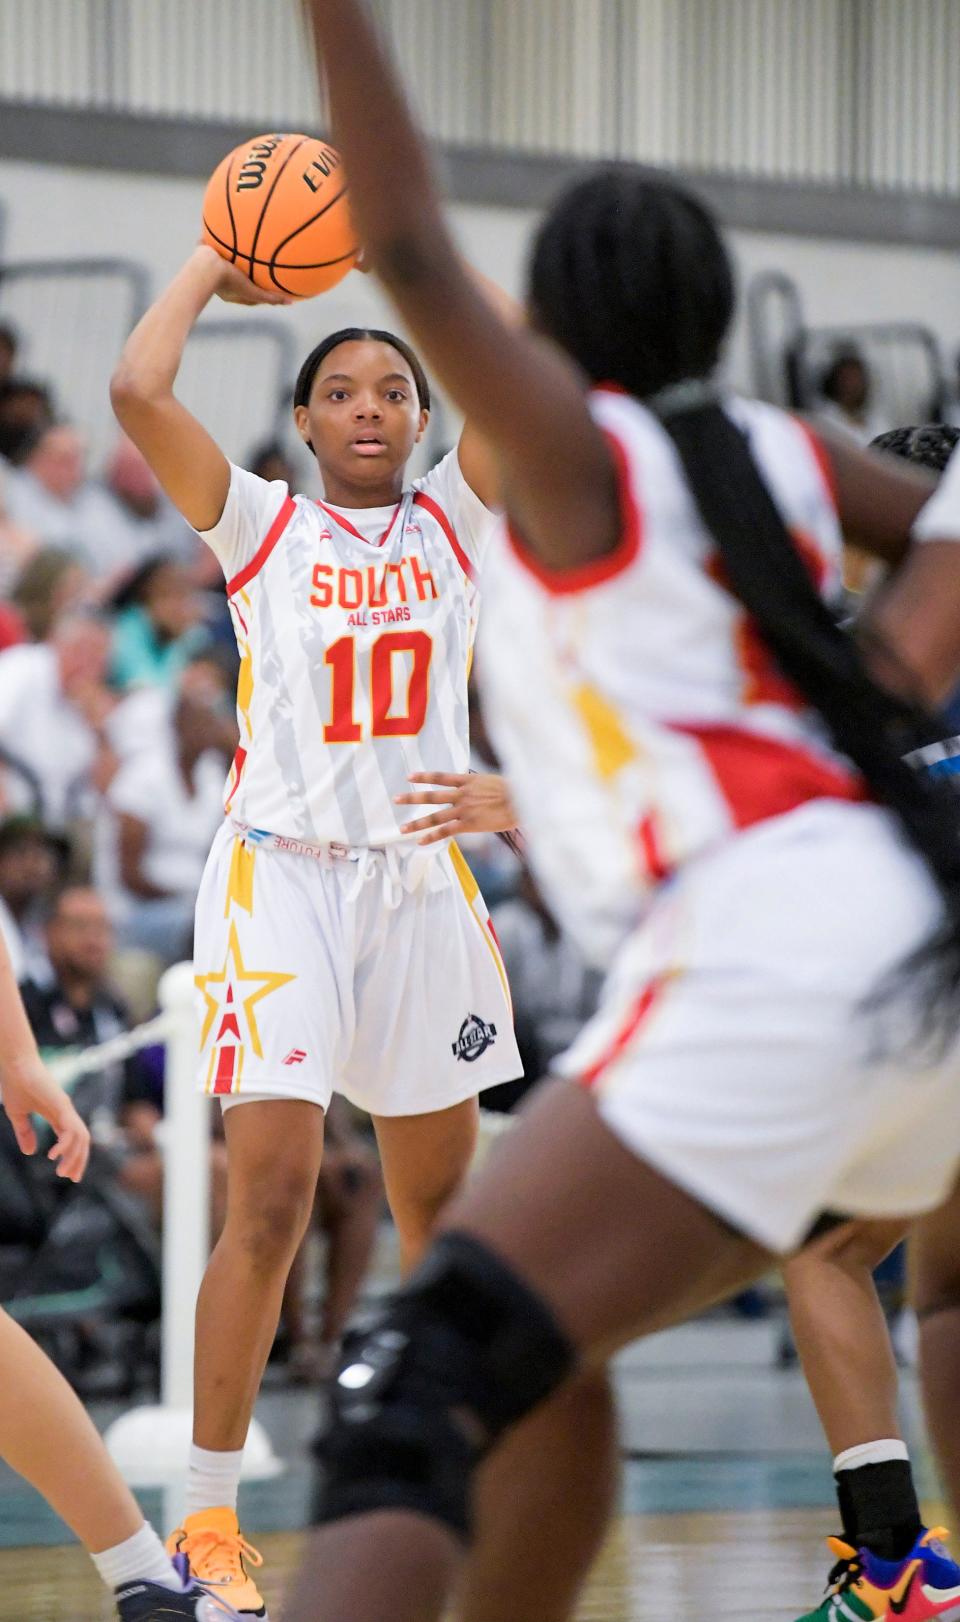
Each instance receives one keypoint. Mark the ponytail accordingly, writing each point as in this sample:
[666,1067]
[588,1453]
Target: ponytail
[873,726]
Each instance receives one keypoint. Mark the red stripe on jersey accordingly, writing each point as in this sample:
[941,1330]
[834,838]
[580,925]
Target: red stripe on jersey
[762,777]
[421,499]
[822,457]
[639,1013]
[226,1065]
[654,860]
[351,529]
[263,551]
[235,774]
[583,576]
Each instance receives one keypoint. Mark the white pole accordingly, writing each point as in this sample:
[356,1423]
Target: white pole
[186,1187]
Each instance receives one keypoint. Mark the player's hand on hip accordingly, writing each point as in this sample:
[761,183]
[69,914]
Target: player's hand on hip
[232,285]
[470,803]
[34,1092]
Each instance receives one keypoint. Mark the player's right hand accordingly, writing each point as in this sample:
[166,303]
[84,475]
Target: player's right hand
[35,1092]
[233,286]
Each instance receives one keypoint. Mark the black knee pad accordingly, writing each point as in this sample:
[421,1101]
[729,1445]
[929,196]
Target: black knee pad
[426,1387]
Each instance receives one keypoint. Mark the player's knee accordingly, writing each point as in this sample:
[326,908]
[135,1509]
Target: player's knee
[936,1289]
[269,1226]
[417,1215]
[426,1388]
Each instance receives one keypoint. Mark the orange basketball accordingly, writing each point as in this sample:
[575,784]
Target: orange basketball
[277,207]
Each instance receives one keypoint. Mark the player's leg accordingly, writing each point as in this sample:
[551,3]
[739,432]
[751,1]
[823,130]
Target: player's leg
[845,1349]
[274,1147]
[274,971]
[46,1436]
[591,1246]
[350,1201]
[543,1501]
[616,1212]
[425,1159]
[935,1263]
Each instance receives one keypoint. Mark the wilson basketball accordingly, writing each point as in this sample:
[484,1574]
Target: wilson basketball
[277,207]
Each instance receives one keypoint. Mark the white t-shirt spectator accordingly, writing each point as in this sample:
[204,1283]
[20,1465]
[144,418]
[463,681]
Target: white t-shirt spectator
[150,787]
[42,730]
[95,527]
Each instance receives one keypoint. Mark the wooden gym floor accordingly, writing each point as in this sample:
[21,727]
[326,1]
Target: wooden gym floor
[727,1495]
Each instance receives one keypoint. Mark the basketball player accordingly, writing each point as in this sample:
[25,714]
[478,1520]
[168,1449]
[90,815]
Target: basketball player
[44,1433]
[711,781]
[333,950]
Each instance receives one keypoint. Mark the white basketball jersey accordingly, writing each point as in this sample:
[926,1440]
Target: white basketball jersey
[355,631]
[635,709]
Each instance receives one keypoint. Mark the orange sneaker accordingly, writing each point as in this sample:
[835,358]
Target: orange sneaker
[218,1556]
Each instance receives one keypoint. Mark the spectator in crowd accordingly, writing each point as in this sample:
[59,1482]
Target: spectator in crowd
[9,344]
[161,811]
[26,409]
[31,861]
[554,991]
[46,492]
[107,525]
[55,711]
[272,461]
[75,1008]
[159,626]
[49,586]
[847,391]
[134,519]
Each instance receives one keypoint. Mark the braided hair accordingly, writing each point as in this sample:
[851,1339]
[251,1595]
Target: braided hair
[630,275]
[930,446]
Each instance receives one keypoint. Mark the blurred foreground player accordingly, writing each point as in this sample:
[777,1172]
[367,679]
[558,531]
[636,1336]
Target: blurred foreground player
[776,1050]
[45,1434]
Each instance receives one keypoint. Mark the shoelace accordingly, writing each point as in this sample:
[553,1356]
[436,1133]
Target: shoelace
[847,1571]
[208,1545]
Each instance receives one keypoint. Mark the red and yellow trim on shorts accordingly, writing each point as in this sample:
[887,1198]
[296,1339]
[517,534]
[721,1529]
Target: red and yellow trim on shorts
[471,894]
[636,1022]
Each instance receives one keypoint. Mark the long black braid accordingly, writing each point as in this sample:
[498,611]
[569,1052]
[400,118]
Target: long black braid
[631,276]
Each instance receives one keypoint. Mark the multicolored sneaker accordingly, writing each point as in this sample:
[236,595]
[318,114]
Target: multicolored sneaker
[219,1554]
[863,1588]
[151,1602]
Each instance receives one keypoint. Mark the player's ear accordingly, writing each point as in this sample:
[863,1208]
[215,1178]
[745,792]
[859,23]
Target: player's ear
[301,417]
[424,419]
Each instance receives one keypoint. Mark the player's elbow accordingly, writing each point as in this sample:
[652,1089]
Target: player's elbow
[130,391]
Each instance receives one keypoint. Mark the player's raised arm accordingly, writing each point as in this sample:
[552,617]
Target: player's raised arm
[188,462]
[514,388]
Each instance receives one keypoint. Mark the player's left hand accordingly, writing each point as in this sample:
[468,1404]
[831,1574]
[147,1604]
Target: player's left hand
[471,803]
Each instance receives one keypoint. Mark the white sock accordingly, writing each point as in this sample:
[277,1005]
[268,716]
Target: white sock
[853,1458]
[212,1479]
[140,1558]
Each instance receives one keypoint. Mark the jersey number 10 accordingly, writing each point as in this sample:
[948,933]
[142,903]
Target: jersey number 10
[343,727]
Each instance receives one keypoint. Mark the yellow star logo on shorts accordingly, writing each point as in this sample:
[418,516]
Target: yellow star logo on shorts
[234,975]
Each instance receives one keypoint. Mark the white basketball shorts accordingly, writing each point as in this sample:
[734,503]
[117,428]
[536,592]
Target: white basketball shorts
[329,975]
[733,1051]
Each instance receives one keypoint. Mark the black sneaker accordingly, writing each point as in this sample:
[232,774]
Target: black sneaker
[151,1602]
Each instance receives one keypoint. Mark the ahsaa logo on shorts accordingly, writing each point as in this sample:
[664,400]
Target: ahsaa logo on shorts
[474,1039]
